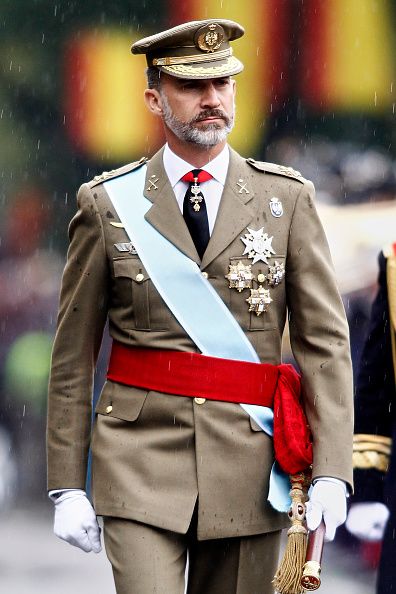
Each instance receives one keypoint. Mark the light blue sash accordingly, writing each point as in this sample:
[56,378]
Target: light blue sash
[191,298]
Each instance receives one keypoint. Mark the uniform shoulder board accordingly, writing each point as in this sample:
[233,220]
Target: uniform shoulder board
[277,169]
[389,250]
[106,175]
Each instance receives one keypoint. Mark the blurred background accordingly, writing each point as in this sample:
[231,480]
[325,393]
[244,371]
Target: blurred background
[318,94]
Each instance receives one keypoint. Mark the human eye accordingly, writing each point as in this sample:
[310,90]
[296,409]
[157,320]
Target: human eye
[190,85]
[222,82]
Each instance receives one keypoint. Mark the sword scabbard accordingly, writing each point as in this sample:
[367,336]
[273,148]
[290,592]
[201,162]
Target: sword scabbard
[311,572]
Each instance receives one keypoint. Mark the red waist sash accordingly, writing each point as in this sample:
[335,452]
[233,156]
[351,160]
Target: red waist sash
[191,374]
[242,382]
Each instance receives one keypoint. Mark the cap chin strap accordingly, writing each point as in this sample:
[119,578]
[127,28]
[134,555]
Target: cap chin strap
[196,58]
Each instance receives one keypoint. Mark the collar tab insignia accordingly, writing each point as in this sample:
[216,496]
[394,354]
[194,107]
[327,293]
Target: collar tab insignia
[242,186]
[152,183]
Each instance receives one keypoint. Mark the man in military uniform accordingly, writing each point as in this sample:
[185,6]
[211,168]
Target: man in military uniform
[372,515]
[211,241]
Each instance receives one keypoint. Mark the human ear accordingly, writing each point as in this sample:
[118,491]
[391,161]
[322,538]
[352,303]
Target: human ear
[153,101]
[233,82]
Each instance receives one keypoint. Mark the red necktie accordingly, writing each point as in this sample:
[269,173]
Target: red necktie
[194,209]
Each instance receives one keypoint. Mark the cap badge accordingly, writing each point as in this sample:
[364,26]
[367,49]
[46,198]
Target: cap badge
[258,245]
[276,207]
[210,37]
[240,276]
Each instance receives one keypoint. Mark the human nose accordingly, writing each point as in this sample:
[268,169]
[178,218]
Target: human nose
[210,97]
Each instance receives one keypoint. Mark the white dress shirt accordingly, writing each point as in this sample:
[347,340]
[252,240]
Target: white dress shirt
[212,190]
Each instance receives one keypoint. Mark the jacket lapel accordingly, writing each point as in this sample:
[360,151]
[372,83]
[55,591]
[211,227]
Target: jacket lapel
[234,212]
[165,214]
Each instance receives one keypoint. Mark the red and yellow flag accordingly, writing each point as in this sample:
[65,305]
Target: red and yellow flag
[104,110]
[347,56]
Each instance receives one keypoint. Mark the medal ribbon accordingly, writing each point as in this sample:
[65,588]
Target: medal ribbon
[180,283]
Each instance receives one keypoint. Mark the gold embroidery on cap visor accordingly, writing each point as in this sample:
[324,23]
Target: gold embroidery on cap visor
[213,69]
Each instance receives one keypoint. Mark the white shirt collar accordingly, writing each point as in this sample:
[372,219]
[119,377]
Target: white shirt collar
[176,167]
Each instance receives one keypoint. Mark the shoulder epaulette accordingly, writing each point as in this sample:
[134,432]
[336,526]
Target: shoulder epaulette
[389,250]
[106,175]
[371,451]
[277,169]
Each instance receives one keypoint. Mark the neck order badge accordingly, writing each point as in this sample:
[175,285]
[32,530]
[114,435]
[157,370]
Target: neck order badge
[194,209]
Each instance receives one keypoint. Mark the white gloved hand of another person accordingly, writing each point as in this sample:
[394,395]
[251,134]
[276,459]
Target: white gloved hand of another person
[75,521]
[327,500]
[367,521]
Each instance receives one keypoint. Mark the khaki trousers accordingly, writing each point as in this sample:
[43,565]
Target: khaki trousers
[149,560]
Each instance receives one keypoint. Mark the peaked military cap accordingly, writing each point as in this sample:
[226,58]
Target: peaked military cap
[198,49]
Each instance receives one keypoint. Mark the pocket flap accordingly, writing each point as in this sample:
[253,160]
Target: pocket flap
[121,402]
[130,268]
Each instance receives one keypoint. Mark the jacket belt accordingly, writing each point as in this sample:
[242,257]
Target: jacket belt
[192,374]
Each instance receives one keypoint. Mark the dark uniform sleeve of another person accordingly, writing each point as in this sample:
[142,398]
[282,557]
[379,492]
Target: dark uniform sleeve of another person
[375,390]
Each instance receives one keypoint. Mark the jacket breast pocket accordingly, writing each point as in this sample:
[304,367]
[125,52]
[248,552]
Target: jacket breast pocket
[143,308]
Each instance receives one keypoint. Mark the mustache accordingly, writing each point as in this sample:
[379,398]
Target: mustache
[210,113]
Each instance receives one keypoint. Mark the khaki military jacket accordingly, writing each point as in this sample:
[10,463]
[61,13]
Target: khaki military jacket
[155,456]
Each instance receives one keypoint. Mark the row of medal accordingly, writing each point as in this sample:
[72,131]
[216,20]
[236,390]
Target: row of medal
[258,247]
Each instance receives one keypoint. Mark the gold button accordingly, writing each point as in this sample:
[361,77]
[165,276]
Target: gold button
[109,409]
[261,278]
[139,277]
[199,400]
[205,274]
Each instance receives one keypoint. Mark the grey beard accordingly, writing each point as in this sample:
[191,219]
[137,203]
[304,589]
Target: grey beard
[208,136]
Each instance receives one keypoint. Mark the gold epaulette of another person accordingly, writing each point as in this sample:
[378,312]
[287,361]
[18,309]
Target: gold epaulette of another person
[276,169]
[371,451]
[106,175]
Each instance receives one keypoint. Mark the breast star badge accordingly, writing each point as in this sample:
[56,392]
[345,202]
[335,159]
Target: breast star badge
[240,276]
[258,245]
[259,300]
[275,274]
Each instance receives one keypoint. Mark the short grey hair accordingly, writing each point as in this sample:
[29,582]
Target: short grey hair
[153,78]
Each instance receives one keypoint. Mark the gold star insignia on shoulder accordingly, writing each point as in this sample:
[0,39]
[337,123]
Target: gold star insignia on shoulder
[104,175]
[289,171]
[240,276]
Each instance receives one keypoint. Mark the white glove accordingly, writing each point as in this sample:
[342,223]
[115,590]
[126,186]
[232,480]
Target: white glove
[75,521]
[328,501]
[367,521]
